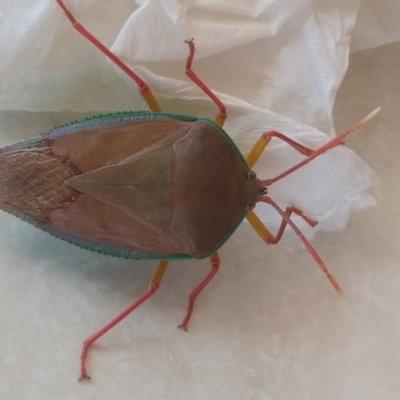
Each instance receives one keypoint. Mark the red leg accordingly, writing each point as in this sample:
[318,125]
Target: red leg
[297,146]
[222,114]
[308,245]
[215,262]
[143,88]
[288,212]
[264,141]
[154,285]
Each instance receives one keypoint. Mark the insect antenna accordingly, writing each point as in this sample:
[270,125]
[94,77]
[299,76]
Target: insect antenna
[323,149]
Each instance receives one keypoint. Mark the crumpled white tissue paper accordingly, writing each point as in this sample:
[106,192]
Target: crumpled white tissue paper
[275,64]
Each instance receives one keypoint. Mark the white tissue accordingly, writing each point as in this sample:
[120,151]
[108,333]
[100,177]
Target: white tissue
[275,64]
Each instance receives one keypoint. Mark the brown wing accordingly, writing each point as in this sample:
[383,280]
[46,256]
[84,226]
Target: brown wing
[140,185]
[126,186]
[182,194]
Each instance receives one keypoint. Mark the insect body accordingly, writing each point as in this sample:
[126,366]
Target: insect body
[141,185]
[145,185]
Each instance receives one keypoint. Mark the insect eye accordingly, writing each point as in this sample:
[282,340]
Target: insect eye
[250,206]
[251,175]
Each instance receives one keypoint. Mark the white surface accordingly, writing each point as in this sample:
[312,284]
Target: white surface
[268,327]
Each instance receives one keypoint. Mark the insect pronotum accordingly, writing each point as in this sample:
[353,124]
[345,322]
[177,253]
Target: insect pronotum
[147,185]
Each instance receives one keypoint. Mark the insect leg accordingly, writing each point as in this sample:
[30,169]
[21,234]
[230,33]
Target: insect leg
[263,142]
[222,114]
[310,154]
[267,236]
[143,88]
[215,262]
[154,285]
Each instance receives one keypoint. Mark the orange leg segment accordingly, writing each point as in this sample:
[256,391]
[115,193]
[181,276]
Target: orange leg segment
[215,262]
[143,88]
[154,285]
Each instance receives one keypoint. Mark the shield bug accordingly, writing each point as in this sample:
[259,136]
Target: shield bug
[146,185]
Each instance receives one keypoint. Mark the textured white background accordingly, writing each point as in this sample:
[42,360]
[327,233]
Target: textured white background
[269,326]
